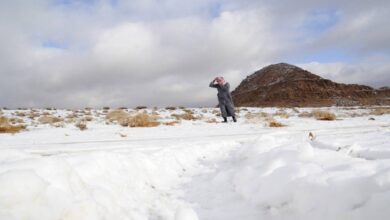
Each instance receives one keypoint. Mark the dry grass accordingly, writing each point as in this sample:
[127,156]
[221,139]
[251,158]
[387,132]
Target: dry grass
[257,117]
[282,114]
[172,108]
[324,115]
[82,125]
[275,124]
[211,120]
[172,123]
[142,120]
[49,119]
[319,115]
[380,111]
[118,115]
[187,115]
[305,114]
[6,127]
[88,118]
[140,107]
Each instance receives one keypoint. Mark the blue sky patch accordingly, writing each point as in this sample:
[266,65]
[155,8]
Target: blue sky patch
[320,20]
[53,44]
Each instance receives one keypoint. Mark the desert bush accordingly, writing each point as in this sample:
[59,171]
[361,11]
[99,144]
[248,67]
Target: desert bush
[324,115]
[20,114]
[172,123]
[140,107]
[6,127]
[88,118]
[16,120]
[170,108]
[282,114]
[211,120]
[82,125]
[295,110]
[49,119]
[256,117]
[275,124]
[106,108]
[187,115]
[118,115]
[142,120]
[380,111]
[305,114]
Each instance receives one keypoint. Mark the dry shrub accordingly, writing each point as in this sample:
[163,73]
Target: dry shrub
[282,114]
[211,120]
[118,115]
[215,111]
[142,120]
[6,127]
[20,114]
[257,117]
[88,118]
[172,123]
[33,114]
[170,108]
[356,114]
[324,115]
[380,111]
[187,115]
[305,114]
[275,124]
[295,110]
[82,125]
[16,120]
[140,107]
[49,119]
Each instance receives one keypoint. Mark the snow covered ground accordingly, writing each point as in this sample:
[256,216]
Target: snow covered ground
[199,170]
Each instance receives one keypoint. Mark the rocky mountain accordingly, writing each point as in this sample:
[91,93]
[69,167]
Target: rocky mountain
[287,85]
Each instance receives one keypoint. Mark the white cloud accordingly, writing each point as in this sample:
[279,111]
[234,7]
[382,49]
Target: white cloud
[166,52]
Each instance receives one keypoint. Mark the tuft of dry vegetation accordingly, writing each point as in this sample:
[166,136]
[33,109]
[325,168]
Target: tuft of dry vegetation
[282,114]
[172,108]
[187,115]
[6,127]
[211,120]
[319,115]
[324,115]
[142,120]
[275,124]
[140,107]
[82,125]
[380,111]
[119,116]
[172,123]
[49,119]
[257,117]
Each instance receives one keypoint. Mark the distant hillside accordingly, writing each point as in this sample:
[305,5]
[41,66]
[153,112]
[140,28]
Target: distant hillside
[288,85]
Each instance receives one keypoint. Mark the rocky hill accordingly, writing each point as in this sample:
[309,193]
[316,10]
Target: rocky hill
[287,85]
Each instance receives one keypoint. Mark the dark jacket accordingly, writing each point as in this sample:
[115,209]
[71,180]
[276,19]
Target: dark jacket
[224,99]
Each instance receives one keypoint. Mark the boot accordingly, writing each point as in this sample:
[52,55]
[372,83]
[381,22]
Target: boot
[224,120]
[234,119]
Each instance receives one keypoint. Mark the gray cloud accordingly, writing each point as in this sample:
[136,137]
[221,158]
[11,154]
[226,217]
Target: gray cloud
[160,53]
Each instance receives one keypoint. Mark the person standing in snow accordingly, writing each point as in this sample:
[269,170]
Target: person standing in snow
[224,98]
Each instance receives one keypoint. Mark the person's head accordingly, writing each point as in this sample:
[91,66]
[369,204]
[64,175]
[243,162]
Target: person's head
[220,80]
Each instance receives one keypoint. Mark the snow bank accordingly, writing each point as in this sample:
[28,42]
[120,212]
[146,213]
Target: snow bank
[100,185]
[282,176]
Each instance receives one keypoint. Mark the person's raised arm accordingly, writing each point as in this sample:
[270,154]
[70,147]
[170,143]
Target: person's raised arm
[212,84]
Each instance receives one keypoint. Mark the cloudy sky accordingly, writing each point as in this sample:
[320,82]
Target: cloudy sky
[77,53]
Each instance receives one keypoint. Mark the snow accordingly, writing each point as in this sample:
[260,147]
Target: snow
[198,170]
